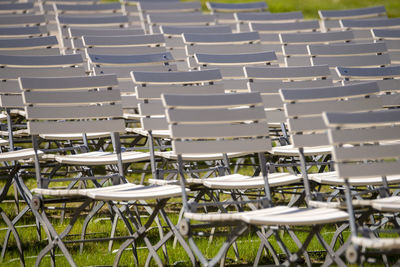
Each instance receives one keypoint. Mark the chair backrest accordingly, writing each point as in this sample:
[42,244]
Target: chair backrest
[237,7]
[298,26]
[150,86]
[349,55]
[16,8]
[22,20]
[81,9]
[362,27]
[371,152]
[168,6]
[392,39]
[231,66]
[124,45]
[130,60]
[388,79]
[216,123]
[304,107]
[268,81]
[71,105]
[294,45]
[330,18]
[23,32]
[47,45]
[243,19]
[176,31]
[75,34]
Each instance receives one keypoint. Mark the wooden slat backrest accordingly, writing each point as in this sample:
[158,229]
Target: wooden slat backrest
[347,49]
[52,101]
[77,32]
[23,32]
[352,13]
[28,43]
[386,33]
[309,25]
[237,7]
[304,107]
[365,131]
[14,8]
[167,7]
[124,41]
[369,73]
[350,61]
[130,60]
[153,84]
[88,8]
[44,51]
[227,122]
[370,23]
[268,17]
[41,61]
[13,73]
[11,101]
[123,73]
[268,81]
[224,38]
[236,59]
[178,30]
[181,18]
[19,20]
[316,37]
[290,73]
[124,50]
[176,77]
[223,49]
[92,21]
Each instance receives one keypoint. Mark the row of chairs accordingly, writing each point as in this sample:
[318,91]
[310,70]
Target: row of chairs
[59,101]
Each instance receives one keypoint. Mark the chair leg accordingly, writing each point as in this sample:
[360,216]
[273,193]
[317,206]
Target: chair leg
[88,218]
[16,236]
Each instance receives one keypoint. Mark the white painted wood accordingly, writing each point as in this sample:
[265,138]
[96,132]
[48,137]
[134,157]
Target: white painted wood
[309,25]
[219,130]
[352,90]
[178,30]
[347,49]
[129,60]
[236,7]
[90,21]
[235,59]
[370,23]
[125,73]
[230,38]
[359,170]
[363,119]
[309,140]
[316,37]
[151,124]
[76,112]
[212,101]
[123,41]
[11,101]
[352,13]
[69,127]
[74,83]
[41,61]
[176,19]
[358,135]
[368,152]
[180,77]
[29,31]
[14,73]
[154,91]
[216,115]
[75,32]
[88,8]
[19,20]
[268,17]
[287,72]
[120,51]
[272,87]
[71,97]
[222,49]
[167,7]
[354,73]
[26,43]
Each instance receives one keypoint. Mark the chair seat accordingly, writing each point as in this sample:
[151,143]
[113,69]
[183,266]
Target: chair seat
[378,243]
[388,204]
[331,178]
[197,157]
[73,136]
[124,192]
[21,154]
[101,158]
[237,181]
[299,216]
[291,151]
[17,133]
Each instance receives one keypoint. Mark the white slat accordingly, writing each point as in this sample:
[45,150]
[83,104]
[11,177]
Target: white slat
[70,127]
[154,92]
[77,112]
[309,140]
[214,115]
[41,61]
[123,41]
[219,130]
[176,77]
[154,123]
[14,73]
[287,72]
[358,170]
[364,119]
[272,87]
[73,97]
[74,83]
[227,38]
[352,61]
[221,146]
[11,101]
[353,136]
[369,152]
